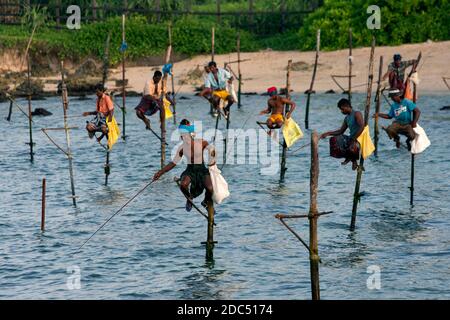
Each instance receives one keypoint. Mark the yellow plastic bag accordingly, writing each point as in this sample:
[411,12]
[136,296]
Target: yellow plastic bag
[291,132]
[367,147]
[113,131]
[167,110]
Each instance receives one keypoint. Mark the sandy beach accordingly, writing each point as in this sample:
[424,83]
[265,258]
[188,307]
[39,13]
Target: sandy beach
[263,69]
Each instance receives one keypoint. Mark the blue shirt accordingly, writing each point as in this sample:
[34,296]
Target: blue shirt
[222,75]
[402,112]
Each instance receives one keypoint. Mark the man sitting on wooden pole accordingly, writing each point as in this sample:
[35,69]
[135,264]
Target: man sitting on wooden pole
[343,146]
[405,114]
[396,72]
[105,108]
[216,85]
[196,177]
[275,106]
[151,101]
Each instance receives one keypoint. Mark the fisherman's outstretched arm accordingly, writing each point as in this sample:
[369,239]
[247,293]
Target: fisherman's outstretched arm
[92,113]
[165,169]
[334,133]
[382,115]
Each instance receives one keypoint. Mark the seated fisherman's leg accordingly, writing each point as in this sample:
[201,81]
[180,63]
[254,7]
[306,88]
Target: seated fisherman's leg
[184,187]
[392,132]
[279,123]
[91,129]
[208,190]
[142,116]
[410,134]
[230,101]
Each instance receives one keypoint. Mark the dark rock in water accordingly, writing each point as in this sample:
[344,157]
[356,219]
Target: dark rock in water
[3,97]
[120,83]
[250,93]
[312,92]
[133,94]
[88,68]
[345,92]
[330,91]
[83,97]
[445,108]
[198,89]
[184,98]
[80,86]
[41,112]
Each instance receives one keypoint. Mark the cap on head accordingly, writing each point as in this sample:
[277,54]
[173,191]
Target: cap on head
[272,91]
[397,57]
[186,127]
[395,93]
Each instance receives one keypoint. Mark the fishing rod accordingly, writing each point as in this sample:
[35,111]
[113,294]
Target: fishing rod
[117,212]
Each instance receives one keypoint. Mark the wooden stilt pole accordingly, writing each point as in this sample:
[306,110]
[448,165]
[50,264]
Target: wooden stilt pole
[411,188]
[172,81]
[212,111]
[238,47]
[30,125]
[350,64]
[123,79]
[10,111]
[66,129]
[357,194]
[43,206]
[312,80]
[377,107]
[288,95]
[312,216]
[107,167]
[210,234]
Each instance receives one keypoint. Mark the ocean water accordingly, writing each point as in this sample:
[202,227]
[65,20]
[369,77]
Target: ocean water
[153,250]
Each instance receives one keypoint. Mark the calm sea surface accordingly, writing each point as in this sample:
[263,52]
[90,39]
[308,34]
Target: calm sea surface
[153,250]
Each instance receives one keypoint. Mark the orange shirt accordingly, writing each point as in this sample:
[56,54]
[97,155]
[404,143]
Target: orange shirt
[105,104]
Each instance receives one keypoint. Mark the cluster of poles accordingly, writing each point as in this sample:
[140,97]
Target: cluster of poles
[313,214]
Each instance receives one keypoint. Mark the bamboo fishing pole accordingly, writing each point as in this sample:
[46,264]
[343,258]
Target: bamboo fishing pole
[312,80]
[286,110]
[377,107]
[162,113]
[357,195]
[123,48]
[350,64]
[29,93]
[65,101]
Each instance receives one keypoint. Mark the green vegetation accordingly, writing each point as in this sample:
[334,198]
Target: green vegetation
[401,22]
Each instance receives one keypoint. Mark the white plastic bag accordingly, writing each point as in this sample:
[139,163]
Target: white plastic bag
[220,186]
[231,91]
[421,142]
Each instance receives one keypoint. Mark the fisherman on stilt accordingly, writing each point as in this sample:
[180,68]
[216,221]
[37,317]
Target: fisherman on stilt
[405,114]
[196,177]
[104,109]
[343,146]
[153,97]
[275,106]
[216,83]
[396,72]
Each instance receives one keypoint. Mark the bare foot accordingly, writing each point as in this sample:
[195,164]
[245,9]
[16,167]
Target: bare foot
[397,144]
[354,165]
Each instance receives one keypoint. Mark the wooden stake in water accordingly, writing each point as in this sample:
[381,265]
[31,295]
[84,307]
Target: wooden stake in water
[107,167]
[312,216]
[210,234]
[238,47]
[357,194]
[411,188]
[377,107]
[284,152]
[350,64]
[43,206]
[30,125]
[312,80]
[123,78]
[8,118]
[65,101]
[172,80]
